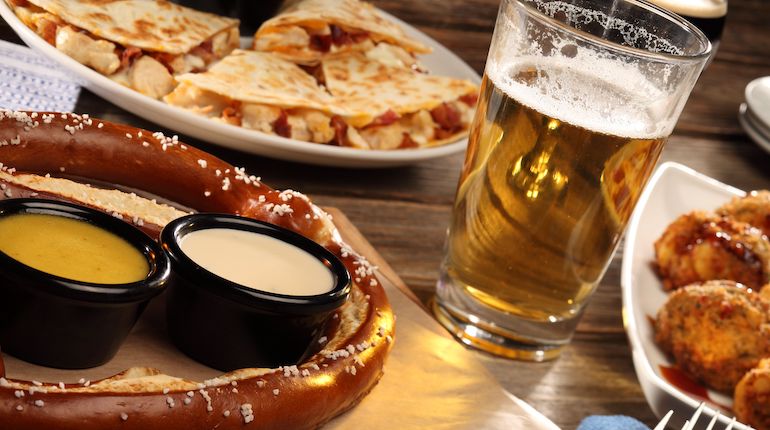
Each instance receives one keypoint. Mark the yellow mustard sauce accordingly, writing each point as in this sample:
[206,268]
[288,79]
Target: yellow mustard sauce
[71,249]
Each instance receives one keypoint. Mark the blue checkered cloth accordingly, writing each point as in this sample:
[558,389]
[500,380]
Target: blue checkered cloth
[30,81]
[611,422]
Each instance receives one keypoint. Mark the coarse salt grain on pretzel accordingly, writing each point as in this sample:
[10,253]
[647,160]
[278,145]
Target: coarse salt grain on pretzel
[37,148]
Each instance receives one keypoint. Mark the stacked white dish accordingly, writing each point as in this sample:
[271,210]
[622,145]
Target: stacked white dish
[754,114]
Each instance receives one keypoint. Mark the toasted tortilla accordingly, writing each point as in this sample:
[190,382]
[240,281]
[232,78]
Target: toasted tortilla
[154,25]
[370,88]
[318,15]
[262,78]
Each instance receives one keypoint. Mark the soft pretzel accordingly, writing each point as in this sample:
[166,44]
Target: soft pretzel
[91,151]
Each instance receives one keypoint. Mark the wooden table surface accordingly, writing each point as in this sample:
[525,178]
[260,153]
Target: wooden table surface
[404,211]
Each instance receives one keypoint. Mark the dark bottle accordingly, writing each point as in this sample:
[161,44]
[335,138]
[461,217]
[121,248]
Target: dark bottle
[252,13]
[708,15]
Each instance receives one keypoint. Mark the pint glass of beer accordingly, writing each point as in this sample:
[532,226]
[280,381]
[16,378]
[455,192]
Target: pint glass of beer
[577,101]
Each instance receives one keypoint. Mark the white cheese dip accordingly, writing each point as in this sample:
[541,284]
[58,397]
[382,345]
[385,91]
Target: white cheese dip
[258,261]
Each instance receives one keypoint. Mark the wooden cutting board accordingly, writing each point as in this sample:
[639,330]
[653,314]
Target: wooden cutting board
[430,381]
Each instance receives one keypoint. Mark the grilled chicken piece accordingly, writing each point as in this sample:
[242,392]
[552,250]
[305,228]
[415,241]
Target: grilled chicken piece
[310,126]
[151,78]
[353,138]
[289,37]
[391,55]
[97,54]
[225,42]
[197,100]
[421,127]
[259,117]
[384,137]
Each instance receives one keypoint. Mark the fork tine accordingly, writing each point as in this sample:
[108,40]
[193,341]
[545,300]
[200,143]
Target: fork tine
[690,425]
[732,422]
[662,424]
[713,421]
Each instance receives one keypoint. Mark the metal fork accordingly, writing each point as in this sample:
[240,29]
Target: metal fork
[690,424]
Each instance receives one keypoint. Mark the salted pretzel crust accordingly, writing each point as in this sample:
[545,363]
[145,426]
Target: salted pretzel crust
[90,151]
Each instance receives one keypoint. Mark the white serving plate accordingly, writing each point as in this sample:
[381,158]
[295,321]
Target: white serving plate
[673,191]
[757,131]
[757,95]
[440,62]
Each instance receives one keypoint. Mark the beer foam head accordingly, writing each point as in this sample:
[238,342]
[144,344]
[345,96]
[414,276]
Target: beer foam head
[593,93]
[599,86]
[695,8]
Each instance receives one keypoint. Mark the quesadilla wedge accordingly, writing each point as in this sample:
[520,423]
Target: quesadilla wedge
[138,43]
[396,108]
[312,30]
[263,92]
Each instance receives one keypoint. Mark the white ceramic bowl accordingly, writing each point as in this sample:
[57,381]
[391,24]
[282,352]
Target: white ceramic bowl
[673,191]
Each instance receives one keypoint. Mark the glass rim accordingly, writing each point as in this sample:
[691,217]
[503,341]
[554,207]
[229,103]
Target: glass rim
[628,50]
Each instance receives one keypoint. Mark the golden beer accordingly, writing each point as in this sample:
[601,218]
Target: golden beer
[542,203]
[540,207]
[577,100]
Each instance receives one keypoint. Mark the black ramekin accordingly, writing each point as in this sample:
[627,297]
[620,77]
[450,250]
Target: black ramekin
[228,326]
[57,322]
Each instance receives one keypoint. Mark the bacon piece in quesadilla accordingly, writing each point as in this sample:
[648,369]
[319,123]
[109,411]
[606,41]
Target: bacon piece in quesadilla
[138,43]
[312,30]
[260,91]
[396,108]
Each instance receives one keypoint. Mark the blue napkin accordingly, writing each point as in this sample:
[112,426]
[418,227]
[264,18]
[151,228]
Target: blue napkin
[30,81]
[611,422]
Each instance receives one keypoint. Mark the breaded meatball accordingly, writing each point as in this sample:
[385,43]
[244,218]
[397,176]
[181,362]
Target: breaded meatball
[752,397]
[716,331]
[753,209]
[700,246]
